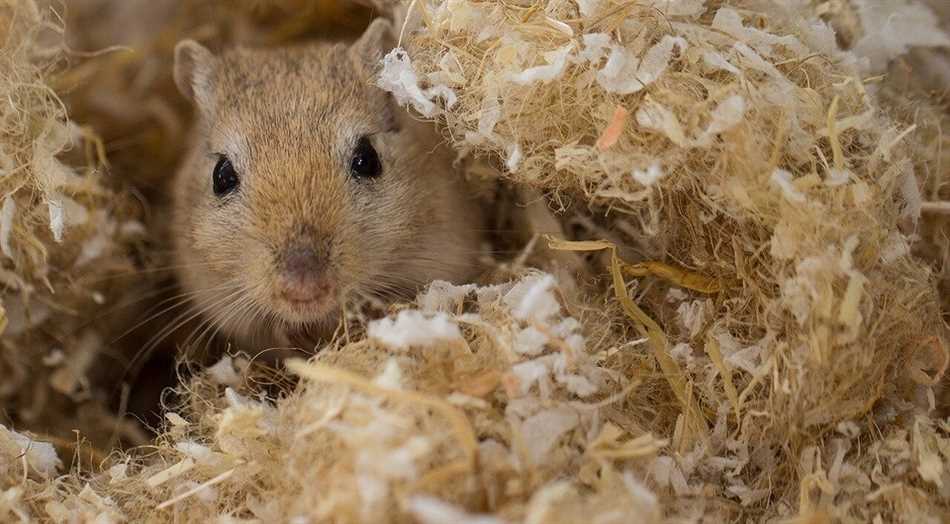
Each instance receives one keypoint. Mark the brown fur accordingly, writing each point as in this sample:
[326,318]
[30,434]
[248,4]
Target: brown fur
[289,119]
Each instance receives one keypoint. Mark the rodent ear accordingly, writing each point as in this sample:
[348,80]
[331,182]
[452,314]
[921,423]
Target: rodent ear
[194,66]
[376,41]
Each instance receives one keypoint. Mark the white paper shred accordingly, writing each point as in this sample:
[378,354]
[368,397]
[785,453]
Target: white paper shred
[556,62]
[837,177]
[40,456]
[200,453]
[716,61]
[118,473]
[649,176]
[748,358]
[391,376]
[53,173]
[544,429]
[624,73]
[680,7]
[223,372]
[57,217]
[54,358]
[401,463]
[930,464]
[514,157]
[589,7]
[729,21]
[658,57]
[466,401]
[94,247]
[530,341]
[446,93]
[173,471]
[239,401]
[486,295]
[6,225]
[87,494]
[692,316]
[413,328]
[449,72]
[647,502]
[654,116]
[571,155]
[575,383]
[489,114]
[132,228]
[596,46]
[72,377]
[543,499]
[532,298]
[724,117]
[754,60]
[529,372]
[682,352]
[430,510]
[399,78]
[666,473]
[895,247]
[443,296]
[892,27]
[560,26]
[783,179]
[175,419]
[910,190]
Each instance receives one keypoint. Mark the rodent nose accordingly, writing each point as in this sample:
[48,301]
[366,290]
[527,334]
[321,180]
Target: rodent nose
[302,266]
[302,277]
[302,262]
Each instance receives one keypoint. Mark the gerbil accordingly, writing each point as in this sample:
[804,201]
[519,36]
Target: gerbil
[303,184]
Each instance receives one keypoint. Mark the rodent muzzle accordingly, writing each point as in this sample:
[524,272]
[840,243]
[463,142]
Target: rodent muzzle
[302,274]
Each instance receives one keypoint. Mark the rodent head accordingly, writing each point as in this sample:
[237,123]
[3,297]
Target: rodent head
[305,184]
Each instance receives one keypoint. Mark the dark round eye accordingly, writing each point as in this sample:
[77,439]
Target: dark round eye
[223,178]
[365,162]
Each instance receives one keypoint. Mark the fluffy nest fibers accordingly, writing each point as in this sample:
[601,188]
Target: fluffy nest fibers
[761,201]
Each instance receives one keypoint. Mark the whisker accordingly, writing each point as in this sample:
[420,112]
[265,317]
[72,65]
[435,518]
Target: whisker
[127,303]
[192,312]
[183,298]
[147,271]
[220,322]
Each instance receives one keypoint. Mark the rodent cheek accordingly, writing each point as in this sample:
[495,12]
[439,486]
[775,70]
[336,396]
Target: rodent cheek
[227,251]
[351,252]
[374,239]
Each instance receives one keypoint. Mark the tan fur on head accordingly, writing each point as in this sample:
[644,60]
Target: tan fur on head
[288,120]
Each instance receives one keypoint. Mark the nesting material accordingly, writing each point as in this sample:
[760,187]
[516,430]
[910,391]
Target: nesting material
[759,155]
[764,345]
[376,432]
[63,229]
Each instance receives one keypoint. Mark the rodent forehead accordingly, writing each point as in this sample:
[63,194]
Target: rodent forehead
[306,106]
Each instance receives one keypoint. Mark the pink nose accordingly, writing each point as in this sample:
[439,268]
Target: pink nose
[307,291]
[302,277]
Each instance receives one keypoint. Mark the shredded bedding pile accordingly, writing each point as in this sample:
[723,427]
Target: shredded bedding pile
[739,234]
[64,235]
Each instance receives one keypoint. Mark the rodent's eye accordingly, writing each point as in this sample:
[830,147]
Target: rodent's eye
[365,162]
[224,179]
